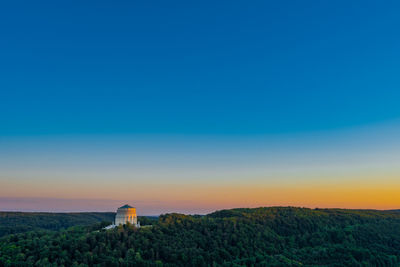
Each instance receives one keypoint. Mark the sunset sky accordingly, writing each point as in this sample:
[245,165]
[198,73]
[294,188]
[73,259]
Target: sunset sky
[181,106]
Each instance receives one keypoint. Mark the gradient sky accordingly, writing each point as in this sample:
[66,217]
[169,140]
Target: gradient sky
[182,106]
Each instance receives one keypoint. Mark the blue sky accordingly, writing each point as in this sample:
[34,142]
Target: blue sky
[198,82]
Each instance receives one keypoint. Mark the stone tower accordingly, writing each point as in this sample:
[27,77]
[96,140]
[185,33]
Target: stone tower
[126,214]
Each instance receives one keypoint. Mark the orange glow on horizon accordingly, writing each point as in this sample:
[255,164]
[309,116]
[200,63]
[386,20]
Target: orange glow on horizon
[177,197]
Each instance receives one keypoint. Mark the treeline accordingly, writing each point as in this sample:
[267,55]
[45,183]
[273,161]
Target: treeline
[239,237]
[19,222]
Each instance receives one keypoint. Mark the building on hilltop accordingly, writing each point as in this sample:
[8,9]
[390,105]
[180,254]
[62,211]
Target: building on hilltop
[126,214]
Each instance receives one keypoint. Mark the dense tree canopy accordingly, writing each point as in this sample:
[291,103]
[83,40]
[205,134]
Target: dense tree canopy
[18,222]
[239,237]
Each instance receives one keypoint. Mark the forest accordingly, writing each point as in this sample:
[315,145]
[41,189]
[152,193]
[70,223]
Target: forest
[18,222]
[275,236]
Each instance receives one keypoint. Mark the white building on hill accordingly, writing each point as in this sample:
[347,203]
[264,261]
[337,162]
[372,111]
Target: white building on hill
[126,214]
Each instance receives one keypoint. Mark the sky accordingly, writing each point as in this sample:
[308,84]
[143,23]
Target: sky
[195,106]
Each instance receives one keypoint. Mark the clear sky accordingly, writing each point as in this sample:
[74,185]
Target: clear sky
[195,106]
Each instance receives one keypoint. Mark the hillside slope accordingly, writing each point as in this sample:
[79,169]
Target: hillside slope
[19,222]
[240,237]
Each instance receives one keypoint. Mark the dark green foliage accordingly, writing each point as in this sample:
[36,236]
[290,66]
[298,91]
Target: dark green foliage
[238,237]
[147,220]
[19,222]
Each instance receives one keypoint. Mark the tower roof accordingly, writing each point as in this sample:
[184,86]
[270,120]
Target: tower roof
[126,207]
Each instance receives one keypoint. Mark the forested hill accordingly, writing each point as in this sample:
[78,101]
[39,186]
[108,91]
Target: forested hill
[239,237]
[18,222]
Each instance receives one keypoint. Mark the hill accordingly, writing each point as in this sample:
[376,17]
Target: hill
[19,222]
[278,236]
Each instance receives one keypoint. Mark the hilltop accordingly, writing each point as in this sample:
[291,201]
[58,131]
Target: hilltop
[20,222]
[277,236]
